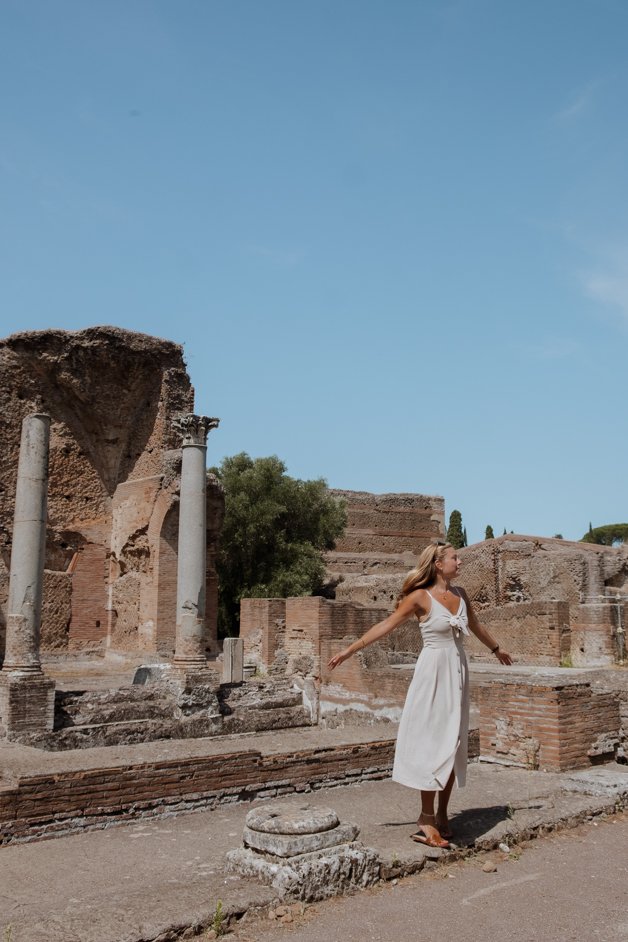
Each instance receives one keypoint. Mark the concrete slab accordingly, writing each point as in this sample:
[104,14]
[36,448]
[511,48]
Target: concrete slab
[610,780]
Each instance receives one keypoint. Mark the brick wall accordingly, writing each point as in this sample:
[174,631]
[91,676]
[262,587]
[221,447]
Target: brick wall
[47,805]
[312,629]
[166,578]
[88,625]
[262,628]
[551,726]
[532,632]
[593,633]
[389,523]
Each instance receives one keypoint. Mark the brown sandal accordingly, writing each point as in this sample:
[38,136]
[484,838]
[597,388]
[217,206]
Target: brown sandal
[422,837]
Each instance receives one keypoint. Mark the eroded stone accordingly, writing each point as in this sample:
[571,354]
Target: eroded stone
[288,819]
[284,845]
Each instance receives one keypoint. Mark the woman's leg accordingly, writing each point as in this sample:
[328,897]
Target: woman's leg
[427,819]
[442,821]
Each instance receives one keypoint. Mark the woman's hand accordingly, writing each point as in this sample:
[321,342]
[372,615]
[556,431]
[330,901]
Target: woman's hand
[339,658]
[503,657]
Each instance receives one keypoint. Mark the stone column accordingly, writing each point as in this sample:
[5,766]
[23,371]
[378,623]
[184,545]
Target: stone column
[26,696]
[192,549]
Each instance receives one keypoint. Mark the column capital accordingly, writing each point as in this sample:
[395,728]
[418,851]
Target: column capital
[194,428]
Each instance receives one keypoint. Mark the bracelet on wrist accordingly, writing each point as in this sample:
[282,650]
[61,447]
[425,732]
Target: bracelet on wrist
[495,649]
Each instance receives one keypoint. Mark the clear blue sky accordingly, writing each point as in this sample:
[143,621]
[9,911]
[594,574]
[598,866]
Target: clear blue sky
[391,234]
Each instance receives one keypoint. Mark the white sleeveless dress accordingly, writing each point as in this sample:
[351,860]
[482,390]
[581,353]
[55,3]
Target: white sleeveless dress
[434,728]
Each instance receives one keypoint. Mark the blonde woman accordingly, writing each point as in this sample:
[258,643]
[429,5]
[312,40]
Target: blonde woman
[431,750]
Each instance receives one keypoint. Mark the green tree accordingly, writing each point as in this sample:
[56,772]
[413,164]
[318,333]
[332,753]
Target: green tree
[274,534]
[488,533]
[455,533]
[612,534]
[464,537]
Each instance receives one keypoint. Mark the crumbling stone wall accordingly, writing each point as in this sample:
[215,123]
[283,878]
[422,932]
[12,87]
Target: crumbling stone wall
[508,578]
[114,478]
[382,539]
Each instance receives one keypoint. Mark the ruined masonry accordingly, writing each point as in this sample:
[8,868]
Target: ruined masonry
[110,578]
[304,852]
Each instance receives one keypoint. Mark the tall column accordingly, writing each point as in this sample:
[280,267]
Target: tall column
[26,696]
[192,549]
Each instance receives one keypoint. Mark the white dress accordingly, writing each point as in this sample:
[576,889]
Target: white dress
[434,728]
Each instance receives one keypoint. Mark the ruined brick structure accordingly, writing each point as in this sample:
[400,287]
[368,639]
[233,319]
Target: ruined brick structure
[384,535]
[549,600]
[380,544]
[111,554]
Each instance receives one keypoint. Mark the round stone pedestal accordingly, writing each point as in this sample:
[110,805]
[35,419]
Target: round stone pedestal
[304,852]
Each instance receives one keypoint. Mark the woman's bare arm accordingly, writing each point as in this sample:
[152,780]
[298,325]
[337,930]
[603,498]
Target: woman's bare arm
[482,634]
[413,604]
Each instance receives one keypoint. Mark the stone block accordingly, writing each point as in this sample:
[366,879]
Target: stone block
[290,845]
[233,661]
[27,703]
[314,876]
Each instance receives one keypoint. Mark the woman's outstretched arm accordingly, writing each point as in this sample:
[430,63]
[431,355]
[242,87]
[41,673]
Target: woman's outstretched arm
[413,604]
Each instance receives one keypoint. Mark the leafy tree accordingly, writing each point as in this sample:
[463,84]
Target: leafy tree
[558,536]
[275,531]
[612,534]
[455,533]
[488,534]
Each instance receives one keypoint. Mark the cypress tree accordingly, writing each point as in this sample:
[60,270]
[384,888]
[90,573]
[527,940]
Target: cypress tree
[455,534]
[464,537]
[489,535]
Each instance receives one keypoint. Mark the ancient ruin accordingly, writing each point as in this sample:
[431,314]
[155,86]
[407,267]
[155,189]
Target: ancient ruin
[109,528]
[113,499]
[552,601]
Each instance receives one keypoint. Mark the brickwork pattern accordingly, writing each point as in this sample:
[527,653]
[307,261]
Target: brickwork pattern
[554,726]
[532,632]
[43,805]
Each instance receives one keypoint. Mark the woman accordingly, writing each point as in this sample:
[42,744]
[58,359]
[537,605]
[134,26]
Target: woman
[431,748]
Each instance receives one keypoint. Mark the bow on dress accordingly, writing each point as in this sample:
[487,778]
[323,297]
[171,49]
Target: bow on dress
[459,625]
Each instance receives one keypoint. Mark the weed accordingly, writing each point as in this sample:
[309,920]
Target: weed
[510,811]
[566,661]
[8,933]
[217,923]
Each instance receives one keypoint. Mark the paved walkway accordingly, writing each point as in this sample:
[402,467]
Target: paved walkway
[148,880]
[569,887]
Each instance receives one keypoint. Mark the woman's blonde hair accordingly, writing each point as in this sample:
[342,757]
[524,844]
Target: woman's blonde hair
[424,574]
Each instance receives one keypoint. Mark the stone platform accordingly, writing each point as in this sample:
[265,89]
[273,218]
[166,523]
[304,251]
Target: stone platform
[47,794]
[165,877]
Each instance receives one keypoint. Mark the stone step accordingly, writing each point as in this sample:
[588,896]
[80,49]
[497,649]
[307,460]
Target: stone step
[258,697]
[85,713]
[128,732]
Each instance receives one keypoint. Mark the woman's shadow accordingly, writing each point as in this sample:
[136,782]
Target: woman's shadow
[468,825]
[472,823]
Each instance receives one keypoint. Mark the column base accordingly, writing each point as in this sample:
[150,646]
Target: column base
[27,702]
